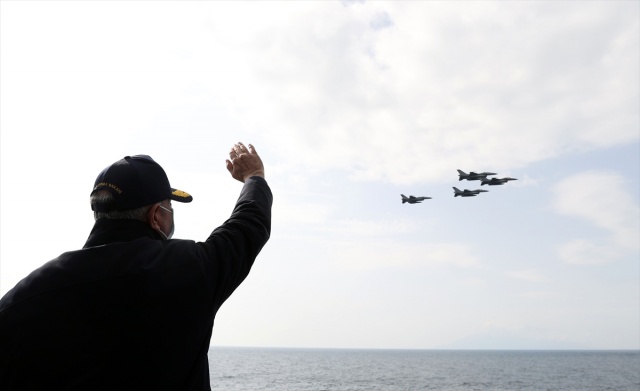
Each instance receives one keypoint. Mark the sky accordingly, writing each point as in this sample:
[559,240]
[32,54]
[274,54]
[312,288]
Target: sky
[350,104]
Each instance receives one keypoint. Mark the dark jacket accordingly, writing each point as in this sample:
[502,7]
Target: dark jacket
[129,311]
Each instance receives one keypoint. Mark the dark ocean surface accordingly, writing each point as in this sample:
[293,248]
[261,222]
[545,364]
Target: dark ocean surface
[353,369]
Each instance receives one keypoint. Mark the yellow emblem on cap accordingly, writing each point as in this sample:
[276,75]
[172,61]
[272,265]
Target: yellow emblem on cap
[180,193]
[105,184]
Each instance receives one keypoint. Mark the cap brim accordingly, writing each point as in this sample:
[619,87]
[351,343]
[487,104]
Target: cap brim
[180,196]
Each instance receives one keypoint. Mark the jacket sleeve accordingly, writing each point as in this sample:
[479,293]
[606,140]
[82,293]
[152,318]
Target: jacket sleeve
[231,249]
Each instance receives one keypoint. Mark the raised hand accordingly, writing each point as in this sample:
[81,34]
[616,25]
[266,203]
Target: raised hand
[244,162]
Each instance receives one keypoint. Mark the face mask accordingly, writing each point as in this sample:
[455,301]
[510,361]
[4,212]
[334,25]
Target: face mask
[173,225]
[173,228]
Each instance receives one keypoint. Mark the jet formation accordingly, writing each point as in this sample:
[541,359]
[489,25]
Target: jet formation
[482,177]
[471,176]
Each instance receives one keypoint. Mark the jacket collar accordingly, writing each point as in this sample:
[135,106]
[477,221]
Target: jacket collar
[107,231]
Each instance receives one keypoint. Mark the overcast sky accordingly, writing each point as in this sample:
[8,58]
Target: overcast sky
[351,104]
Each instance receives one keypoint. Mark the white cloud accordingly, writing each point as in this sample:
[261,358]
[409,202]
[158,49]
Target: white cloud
[380,254]
[296,214]
[375,89]
[381,228]
[584,252]
[539,295]
[600,198]
[528,275]
[375,101]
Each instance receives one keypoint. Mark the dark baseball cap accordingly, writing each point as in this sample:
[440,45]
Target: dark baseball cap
[135,181]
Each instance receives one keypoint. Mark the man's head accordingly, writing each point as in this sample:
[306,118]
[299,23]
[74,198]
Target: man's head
[136,187]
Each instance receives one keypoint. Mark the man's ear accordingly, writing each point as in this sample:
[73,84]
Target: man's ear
[153,216]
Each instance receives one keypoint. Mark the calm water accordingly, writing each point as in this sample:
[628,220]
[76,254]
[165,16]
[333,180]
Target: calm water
[347,370]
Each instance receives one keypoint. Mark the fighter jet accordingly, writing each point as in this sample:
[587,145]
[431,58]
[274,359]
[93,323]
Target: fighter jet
[413,200]
[467,193]
[496,181]
[473,176]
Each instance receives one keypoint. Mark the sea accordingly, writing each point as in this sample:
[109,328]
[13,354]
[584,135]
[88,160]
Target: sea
[287,369]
